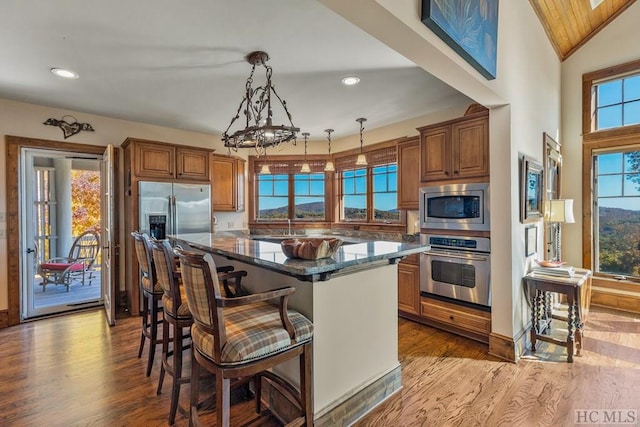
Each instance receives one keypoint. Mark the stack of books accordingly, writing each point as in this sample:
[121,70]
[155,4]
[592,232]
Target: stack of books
[555,271]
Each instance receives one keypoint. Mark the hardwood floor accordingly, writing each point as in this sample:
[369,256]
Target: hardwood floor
[76,371]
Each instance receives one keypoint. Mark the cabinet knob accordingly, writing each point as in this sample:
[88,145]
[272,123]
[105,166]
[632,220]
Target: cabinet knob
[455,172]
[451,317]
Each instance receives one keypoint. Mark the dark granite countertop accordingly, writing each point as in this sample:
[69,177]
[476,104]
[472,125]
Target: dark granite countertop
[349,257]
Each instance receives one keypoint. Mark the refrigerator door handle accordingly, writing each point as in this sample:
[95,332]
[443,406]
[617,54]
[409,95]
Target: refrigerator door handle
[175,216]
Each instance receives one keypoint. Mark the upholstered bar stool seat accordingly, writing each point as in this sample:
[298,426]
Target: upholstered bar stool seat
[253,331]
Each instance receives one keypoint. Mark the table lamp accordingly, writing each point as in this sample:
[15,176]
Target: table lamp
[557,212]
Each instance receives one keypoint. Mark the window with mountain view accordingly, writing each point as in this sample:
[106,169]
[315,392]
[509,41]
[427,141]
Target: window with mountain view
[354,195]
[385,193]
[611,134]
[617,204]
[308,200]
[273,197]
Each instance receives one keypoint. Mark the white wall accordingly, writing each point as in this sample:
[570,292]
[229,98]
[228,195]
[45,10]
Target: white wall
[524,101]
[615,44]
[20,119]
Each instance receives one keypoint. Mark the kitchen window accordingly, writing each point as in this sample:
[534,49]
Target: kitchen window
[286,194]
[369,194]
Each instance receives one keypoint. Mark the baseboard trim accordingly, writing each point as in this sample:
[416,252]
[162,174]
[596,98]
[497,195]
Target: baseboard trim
[344,413]
[4,319]
[616,300]
[507,348]
[502,347]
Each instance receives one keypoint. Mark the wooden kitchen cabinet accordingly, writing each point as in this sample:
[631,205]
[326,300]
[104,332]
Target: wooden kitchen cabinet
[457,149]
[169,161]
[460,319]
[409,286]
[146,160]
[227,177]
[408,173]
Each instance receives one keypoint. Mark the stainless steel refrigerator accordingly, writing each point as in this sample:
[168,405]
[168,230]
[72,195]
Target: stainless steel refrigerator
[171,208]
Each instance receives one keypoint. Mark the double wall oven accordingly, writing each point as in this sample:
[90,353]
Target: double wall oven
[458,266]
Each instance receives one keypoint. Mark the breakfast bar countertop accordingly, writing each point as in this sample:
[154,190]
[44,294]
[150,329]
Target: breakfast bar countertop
[350,257]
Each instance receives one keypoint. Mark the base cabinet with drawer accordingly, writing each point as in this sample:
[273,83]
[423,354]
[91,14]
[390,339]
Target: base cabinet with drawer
[468,321]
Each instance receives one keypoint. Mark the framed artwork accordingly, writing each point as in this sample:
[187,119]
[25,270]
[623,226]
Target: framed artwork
[531,190]
[531,240]
[469,27]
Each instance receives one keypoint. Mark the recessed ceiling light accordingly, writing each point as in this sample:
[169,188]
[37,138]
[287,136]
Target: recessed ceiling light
[66,74]
[351,80]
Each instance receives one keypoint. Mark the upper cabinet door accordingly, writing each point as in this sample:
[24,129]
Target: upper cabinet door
[155,160]
[192,163]
[408,174]
[435,152]
[470,148]
[228,183]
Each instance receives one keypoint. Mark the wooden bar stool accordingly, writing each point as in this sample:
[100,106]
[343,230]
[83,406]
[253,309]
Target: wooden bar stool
[244,337]
[151,292]
[177,315]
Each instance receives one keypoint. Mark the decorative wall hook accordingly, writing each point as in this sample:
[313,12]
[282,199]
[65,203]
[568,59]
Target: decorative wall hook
[69,129]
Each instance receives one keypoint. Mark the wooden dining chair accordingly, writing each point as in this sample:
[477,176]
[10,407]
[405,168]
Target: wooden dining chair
[244,337]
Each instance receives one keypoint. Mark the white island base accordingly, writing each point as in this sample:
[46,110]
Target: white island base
[355,342]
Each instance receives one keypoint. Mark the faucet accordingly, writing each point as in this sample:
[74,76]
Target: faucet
[289,223]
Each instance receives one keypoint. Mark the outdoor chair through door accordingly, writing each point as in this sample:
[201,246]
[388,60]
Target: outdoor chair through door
[76,266]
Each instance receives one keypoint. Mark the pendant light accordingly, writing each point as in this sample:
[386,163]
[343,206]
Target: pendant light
[361,160]
[329,166]
[264,169]
[305,166]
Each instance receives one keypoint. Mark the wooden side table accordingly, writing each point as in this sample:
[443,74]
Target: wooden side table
[578,292]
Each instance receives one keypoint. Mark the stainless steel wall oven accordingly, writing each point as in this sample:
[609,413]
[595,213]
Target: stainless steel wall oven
[457,267]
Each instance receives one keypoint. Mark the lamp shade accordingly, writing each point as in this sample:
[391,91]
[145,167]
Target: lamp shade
[264,170]
[361,160]
[559,210]
[329,167]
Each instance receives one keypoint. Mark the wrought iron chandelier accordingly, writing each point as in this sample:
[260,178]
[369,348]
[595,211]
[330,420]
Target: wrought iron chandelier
[259,131]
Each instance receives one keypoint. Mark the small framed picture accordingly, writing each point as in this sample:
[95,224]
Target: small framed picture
[531,240]
[531,190]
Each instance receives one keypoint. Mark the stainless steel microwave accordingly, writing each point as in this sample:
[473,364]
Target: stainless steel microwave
[455,207]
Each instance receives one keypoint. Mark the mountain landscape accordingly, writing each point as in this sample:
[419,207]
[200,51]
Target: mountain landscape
[619,234]
[315,210]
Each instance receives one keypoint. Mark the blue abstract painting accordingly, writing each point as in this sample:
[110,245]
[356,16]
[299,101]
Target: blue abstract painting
[470,27]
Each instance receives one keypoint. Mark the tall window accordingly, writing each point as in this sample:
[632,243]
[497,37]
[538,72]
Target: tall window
[286,193]
[308,198]
[385,193]
[617,212]
[273,197]
[611,140]
[370,193]
[354,195]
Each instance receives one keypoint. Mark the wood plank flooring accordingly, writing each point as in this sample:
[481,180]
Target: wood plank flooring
[76,371]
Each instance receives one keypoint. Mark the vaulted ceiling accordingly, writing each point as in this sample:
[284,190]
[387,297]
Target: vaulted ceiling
[571,23]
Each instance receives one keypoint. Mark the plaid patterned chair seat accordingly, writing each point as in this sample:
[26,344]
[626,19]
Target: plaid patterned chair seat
[253,331]
[242,338]
[183,308]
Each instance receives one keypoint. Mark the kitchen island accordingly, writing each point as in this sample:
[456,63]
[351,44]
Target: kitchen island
[351,299]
